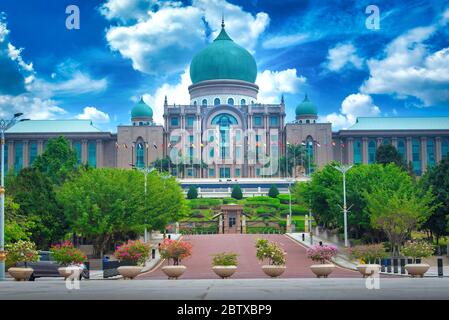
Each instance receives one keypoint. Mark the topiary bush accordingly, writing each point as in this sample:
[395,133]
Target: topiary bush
[273,192]
[237,192]
[192,193]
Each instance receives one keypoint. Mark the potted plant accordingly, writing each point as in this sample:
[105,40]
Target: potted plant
[224,264]
[69,257]
[367,255]
[323,255]
[132,255]
[273,254]
[21,252]
[175,251]
[417,249]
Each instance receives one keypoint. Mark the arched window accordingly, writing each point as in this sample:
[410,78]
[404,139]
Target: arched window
[231,101]
[140,155]
[216,101]
[204,102]
[307,121]
[243,102]
[194,103]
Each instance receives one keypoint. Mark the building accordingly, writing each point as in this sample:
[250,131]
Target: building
[226,132]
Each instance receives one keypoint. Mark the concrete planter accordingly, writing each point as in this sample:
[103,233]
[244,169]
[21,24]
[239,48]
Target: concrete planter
[174,272]
[129,272]
[417,269]
[224,271]
[20,274]
[322,270]
[368,269]
[66,272]
[273,271]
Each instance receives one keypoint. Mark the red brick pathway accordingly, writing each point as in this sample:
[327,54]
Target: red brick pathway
[199,264]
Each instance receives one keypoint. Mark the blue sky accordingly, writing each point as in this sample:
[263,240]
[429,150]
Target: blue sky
[128,48]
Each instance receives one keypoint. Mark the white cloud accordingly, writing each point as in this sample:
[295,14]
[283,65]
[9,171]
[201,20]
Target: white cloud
[353,106]
[176,94]
[343,54]
[32,107]
[129,10]
[273,83]
[283,41]
[409,68]
[165,37]
[241,26]
[92,113]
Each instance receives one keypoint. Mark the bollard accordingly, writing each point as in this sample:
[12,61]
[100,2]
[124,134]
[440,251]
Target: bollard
[402,266]
[303,237]
[409,261]
[418,260]
[395,265]
[389,265]
[169,236]
[153,253]
[440,267]
[383,263]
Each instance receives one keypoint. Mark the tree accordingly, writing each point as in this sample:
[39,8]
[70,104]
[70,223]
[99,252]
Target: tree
[58,160]
[273,192]
[296,157]
[237,192]
[16,226]
[34,193]
[325,195]
[101,202]
[387,153]
[192,193]
[398,211]
[436,180]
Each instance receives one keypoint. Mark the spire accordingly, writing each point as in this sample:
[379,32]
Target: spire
[222,35]
[165,101]
[282,99]
[306,98]
[222,21]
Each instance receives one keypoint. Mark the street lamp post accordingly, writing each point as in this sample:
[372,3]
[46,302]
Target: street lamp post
[4,125]
[290,204]
[343,169]
[146,171]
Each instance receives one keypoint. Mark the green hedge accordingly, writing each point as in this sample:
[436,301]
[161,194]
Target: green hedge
[284,198]
[296,209]
[263,230]
[264,209]
[204,203]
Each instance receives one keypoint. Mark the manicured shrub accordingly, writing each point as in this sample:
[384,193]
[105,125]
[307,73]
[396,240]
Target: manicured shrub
[273,192]
[321,254]
[368,253]
[417,249]
[21,252]
[270,251]
[175,250]
[66,254]
[192,193]
[237,192]
[133,252]
[204,203]
[224,259]
[284,198]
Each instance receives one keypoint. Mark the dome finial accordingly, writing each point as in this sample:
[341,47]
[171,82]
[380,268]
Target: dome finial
[222,21]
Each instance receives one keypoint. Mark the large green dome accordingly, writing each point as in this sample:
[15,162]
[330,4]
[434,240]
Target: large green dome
[306,108]
[223,59]
[141,110]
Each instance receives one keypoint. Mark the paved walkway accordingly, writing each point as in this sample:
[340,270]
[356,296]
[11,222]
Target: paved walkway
[199,264]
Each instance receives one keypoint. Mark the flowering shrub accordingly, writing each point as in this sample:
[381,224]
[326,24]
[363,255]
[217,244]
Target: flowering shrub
[175,250]
[66,254]
[368,253]
[417,249]
[133,252]
[224,259]
[270,251]
[321,253]
[21,251]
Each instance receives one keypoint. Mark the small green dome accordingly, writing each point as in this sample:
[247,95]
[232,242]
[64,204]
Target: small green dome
[141,110]
[306,108]
[223,59]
